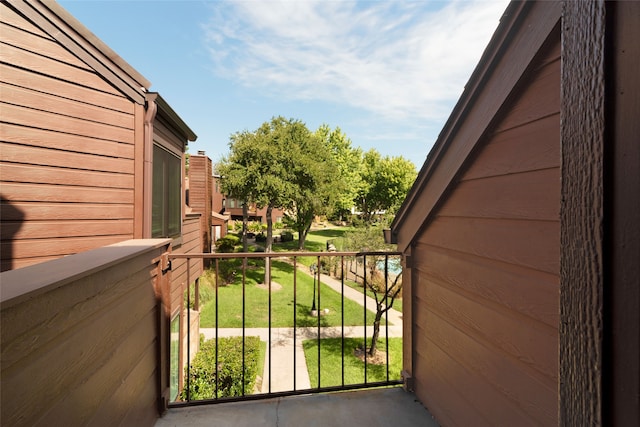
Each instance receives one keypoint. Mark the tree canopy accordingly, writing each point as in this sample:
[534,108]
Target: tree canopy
[385,183]
[284,165]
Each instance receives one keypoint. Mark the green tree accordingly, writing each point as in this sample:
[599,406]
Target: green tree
[385,183]
[384,285]
[347,163]
[238,175]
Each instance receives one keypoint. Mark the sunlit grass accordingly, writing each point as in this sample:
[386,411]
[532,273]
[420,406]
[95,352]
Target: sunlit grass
[331,352]
[256,302]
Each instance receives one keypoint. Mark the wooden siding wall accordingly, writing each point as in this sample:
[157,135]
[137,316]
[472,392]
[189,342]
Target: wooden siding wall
[191,243]
[486,293]
[200,193]
[66,147]
[83,350]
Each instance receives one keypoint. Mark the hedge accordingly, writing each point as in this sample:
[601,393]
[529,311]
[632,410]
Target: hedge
[202,377]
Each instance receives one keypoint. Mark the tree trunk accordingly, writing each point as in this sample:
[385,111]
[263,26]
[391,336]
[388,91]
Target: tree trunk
[376,331]
[268,244]
[245,225]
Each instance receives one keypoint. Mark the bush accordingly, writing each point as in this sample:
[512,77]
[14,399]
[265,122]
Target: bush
[261,238]
[202,378]
[227,243]
[286,236]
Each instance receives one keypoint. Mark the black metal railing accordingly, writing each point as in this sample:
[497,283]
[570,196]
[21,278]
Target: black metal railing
[379,275]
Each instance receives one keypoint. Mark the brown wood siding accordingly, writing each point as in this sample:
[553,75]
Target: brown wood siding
[67,150]
[486,301]
[200,193]
[191,243]
[84,350]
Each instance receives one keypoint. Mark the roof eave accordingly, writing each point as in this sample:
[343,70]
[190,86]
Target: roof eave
[510,23]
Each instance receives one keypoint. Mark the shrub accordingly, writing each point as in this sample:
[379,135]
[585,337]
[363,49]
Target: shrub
[286,236]
[202,376]
[261,238]
[227,243]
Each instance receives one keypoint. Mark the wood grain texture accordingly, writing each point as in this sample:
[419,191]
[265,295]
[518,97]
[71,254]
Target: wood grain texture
[515,196]
[504,286]
[79,353]
[486,298]
[531,244]
[38,174]
[469,404]
[34,137]
[29,192]
[622,204]
[59,88]
[540,139]
[32,117]
[65,107]
[502,67]
[10,17]
[53,68]
[43,46]
[581,215]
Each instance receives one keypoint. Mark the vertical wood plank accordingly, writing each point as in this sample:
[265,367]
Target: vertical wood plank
[581,213]
[622,203]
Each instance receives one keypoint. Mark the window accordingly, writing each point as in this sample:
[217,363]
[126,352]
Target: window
[166,212]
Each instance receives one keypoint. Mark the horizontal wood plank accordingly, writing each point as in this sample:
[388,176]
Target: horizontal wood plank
[30,211]
[60,245]
[527,148]
[10,17]
[465,398]
[45,84]
[19,192]
[29,98]
[54,229]
[44,46]
[531,293]
[532,346]
[22,154]
[135,354]
[518,196]
[85,347]
[53,68]
[540,98]
[37,174]
[532,244]
[529,401]
[22,135]
[61,124]
[32,316]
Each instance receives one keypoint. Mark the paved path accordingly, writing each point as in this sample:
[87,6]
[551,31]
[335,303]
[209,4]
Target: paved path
[285,349]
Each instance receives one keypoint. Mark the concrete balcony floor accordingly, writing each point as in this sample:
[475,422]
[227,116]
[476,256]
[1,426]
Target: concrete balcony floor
[392,407]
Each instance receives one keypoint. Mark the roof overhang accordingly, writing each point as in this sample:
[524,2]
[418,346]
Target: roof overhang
[63,27]
[523,29]
[171,117]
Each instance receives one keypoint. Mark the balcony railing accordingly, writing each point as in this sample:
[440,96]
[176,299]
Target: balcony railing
[306,341]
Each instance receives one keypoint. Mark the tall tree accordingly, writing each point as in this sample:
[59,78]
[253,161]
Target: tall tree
[315,176]
[237,176]
[386,182]
[347,162]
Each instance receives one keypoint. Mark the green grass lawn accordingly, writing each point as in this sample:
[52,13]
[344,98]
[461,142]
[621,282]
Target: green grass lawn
[316,241]
[256,312]
[331,362]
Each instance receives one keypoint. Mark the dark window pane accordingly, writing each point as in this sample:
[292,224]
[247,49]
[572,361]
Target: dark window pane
[166,194]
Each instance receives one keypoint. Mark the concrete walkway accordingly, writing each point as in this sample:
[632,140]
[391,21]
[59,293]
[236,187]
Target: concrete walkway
[388,407]
[285,350]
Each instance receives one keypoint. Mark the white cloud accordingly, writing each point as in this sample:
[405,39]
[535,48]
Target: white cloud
[397,60]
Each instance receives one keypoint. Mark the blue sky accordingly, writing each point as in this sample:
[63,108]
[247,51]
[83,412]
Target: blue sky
[387,73]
